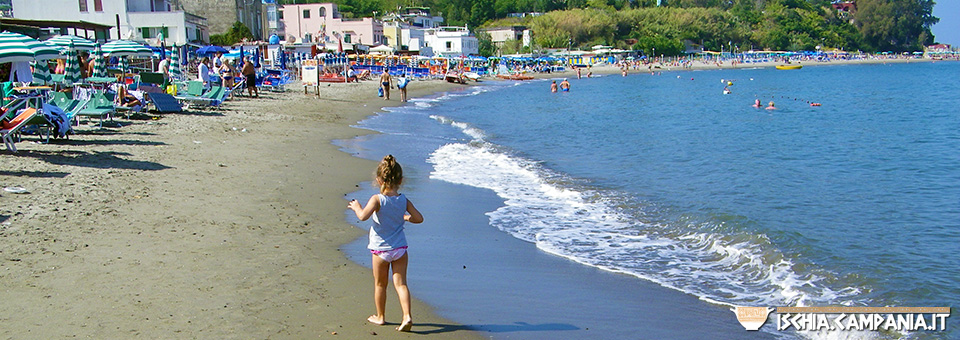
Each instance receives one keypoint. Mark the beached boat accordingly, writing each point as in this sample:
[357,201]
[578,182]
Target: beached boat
[472,76]
[789,67]
[514,76]
[455,78]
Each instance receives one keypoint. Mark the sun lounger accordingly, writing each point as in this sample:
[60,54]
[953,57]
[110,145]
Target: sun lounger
[98,106]
[10,129]
[164,103]
[69,106]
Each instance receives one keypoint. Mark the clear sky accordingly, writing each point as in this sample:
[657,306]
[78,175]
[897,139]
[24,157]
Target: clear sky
[947,31]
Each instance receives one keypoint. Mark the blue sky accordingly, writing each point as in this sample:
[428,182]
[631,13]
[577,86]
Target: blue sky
[947,31]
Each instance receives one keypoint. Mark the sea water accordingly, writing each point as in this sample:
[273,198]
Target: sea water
[665,179]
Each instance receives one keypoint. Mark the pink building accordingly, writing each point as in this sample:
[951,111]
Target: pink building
[322,23]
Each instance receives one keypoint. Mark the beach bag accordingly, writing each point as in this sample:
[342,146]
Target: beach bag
[379,92]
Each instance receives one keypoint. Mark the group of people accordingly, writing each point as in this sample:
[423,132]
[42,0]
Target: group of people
[564,86]
[386,85]
[228,73]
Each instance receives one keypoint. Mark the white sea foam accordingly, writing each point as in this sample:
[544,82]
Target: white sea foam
[589,227]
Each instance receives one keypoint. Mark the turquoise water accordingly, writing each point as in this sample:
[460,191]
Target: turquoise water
[666,179]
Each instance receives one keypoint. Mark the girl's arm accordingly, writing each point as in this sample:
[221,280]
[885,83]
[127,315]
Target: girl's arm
[414,216]
[363,213]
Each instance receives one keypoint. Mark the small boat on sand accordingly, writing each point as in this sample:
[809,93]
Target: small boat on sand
[455,78]
[789,67]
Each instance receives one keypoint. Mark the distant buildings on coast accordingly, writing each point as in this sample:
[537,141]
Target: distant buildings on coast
[410,30]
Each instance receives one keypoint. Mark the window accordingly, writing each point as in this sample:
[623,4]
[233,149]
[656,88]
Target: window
[323,12]
[280,15]
[145,32]
[98,5]
[346,38]
[449,45]
[83,5]
[306,14]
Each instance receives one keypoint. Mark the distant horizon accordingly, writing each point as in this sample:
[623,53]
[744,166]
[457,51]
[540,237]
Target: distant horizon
[947,31]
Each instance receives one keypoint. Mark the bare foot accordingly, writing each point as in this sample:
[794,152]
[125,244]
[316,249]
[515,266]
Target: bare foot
[405,326]
[376,320]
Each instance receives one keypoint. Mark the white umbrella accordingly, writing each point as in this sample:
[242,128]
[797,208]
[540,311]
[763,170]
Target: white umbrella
[78,42]
[126,48]
[18,47]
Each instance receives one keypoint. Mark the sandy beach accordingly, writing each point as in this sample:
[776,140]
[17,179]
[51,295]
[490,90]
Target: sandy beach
[215,224]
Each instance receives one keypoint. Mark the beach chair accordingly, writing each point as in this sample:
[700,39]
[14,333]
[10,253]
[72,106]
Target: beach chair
[164,103]
[10,129]
[70,106]
[217,95]
[99,106]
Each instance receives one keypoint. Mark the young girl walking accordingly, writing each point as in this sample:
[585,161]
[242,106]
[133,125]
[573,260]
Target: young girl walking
[390,209]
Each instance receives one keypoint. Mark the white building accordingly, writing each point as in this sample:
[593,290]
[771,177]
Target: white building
[141,20]
[451,41]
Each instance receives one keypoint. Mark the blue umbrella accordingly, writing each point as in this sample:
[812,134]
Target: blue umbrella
[241,53]
[211,49]
[256,57]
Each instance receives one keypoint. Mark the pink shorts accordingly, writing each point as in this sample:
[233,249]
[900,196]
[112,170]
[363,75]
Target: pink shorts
[390,255]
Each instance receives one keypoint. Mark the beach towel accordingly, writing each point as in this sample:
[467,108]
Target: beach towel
[402,82]
[59,119]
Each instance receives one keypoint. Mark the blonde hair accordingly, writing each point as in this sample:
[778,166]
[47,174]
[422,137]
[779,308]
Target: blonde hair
[389,173]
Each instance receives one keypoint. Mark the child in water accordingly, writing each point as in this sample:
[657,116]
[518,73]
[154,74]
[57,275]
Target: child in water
[390,209]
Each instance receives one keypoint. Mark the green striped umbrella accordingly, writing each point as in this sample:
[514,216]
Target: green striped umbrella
[41,72]
[18,47]
[175,63]
[78,42]
[72,73]
[99,63]
[125,48]
[123,64]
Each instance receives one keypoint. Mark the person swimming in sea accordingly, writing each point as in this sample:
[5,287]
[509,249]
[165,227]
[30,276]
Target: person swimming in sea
[757,104]
[771,106]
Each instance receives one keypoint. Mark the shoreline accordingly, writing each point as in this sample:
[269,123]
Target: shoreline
[220,223]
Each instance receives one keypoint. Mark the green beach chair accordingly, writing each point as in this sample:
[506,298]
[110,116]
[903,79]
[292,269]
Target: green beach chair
[98,106]
[70,106]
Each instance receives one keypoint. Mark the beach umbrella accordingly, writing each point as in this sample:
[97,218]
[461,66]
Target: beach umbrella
[64,41]
[41,72]
[123,65]
[72,71]
[256,57]
[99,63]
[211,49]
[18,47]
[175,62]
[125,48]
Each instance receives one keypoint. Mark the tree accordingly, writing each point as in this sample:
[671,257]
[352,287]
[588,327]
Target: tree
[235,34]
[895,25]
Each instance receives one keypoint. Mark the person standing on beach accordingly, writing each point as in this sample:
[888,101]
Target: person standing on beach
[388,245]
[250,73]
[402,83]
[385,84]
[203,72]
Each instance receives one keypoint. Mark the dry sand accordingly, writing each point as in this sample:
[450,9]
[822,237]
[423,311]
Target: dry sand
[212,224]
